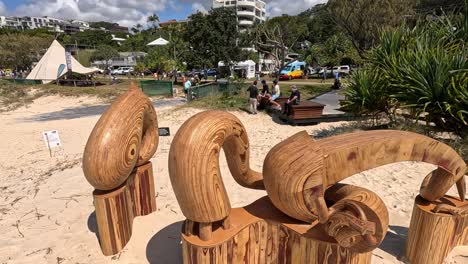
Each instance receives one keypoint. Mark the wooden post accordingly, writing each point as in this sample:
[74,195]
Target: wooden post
[205,231]
[432,236]
[227,223]
[115,210]
[188,227]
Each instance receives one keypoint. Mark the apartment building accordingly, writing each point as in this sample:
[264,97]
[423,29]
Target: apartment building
[10,23]
[248,11]
[50,23]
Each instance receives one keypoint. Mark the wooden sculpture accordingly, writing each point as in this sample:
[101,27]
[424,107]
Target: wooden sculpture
[307,217]
[436,229]
[116,163]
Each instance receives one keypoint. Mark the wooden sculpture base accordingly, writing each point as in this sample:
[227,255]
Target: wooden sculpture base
[116,209]
[259,233]
[432,236]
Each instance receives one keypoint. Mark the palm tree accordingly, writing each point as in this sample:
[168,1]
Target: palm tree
[154,19]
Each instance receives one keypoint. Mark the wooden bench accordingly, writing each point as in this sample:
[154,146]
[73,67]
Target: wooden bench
[306,110]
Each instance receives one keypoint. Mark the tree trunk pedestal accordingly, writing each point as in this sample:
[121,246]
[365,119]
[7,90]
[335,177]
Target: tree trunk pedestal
[259,233]
[432,236]
[116,209]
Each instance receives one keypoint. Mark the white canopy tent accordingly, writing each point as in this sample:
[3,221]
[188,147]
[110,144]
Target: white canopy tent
[248,66]
[158,42]
[53,65]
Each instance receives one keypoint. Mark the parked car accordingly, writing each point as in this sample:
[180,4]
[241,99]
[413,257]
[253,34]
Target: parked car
[212,72]
[313,71]
[329,71]
[123,70]
[343,69]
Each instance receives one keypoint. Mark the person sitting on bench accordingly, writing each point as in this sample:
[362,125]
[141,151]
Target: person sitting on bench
[275,94]
[294,99]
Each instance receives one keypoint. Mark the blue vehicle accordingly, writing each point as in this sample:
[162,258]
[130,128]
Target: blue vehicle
[293,70]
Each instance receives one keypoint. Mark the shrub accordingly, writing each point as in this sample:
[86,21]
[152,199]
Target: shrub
[423,69]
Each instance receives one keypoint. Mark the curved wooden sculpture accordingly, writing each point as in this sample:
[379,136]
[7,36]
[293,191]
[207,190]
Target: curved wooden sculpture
[301,177]
[116,163]
[194,164]
[125,136]
[298,171]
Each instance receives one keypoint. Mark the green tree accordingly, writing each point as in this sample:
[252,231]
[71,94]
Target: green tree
[363,20]
[153,20]
[280,35]
[213,38]
[423,69]
[439,7]
[19,51]
[89,38]
[104,53]
[336,50]
[320,24]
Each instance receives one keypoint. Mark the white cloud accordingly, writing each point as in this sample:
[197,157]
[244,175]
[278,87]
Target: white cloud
[124,12]
[2,8]
[279,7]
[274,7]
[198,7]
[131,12]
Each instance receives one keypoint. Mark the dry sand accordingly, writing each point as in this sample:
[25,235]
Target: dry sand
[46,207]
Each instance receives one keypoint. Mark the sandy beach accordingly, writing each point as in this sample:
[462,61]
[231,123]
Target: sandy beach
[46,205]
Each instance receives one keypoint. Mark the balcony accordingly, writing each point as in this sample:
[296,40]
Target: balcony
[246,3]
[246,13]
[245,22]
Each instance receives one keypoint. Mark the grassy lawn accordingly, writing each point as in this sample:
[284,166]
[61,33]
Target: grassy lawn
[240,100]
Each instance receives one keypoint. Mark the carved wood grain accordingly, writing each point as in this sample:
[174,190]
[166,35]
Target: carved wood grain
[125,136]
[115,210]
[194,164]
[432,236]
[298,170]
[262,234]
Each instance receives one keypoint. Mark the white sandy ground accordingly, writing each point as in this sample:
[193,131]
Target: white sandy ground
[46,206]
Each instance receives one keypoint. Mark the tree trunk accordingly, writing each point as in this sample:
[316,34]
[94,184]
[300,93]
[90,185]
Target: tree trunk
[432,236]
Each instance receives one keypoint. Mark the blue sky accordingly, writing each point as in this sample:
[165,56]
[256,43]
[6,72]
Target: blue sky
[131,12]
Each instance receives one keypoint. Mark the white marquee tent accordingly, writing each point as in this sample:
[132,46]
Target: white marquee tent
[53,65]
[158,42]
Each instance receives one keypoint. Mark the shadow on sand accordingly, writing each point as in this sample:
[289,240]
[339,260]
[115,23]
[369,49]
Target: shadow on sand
[165,246]
[92,224]
[395,241]
[86,111]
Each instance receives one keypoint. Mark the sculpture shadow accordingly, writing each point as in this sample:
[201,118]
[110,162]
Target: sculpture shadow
[86,111]
[165,246]
[68,113]
[92,224]
[395,241]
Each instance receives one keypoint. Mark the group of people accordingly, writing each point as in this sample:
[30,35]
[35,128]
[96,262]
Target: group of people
[256,97]
[13,74]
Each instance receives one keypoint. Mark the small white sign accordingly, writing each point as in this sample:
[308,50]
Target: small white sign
[52,139]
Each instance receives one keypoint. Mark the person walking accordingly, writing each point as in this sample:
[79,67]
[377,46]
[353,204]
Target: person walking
[324,74]
[253,94]
[187,88]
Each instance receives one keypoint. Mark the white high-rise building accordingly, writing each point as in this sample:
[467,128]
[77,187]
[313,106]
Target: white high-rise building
[248,11]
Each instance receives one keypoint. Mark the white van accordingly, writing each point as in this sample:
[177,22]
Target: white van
[343,69]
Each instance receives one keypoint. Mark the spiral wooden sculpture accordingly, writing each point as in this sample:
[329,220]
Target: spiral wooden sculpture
[116,163]
[339,223]
[298,171]
[194,164]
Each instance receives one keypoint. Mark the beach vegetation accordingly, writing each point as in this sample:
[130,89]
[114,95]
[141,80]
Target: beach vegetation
[421,70]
